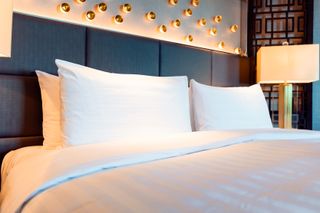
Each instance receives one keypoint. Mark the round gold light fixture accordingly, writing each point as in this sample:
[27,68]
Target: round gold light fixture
[217,19]
[118,19]
[234,28]
[126,8]
[176,23]
[90,15]
[151,15]
[189,38]
[64,7]
[237,51]
[213,31]
[187,12]
[195,3]
[101,7]
[221,45]
[162,28]
[173,2]
[80,1]
[202,22]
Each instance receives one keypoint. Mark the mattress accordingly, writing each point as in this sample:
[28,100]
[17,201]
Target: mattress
[228,171]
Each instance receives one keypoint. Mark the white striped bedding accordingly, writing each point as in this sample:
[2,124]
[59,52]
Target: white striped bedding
[243,171]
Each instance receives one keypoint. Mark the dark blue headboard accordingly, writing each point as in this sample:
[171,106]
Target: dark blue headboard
[38,42]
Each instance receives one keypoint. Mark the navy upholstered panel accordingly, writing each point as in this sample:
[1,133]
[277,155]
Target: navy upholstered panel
[20,106]
[225,69]
[37,42]
[181,60]
[121,53]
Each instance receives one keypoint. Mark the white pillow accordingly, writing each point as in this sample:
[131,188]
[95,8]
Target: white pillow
[100,107]
[217,108]
[50,95]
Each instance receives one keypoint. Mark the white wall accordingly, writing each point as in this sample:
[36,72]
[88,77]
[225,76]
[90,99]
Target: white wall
[136,24]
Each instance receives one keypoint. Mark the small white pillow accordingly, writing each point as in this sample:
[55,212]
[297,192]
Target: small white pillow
[50,95]
[217,108]
[100,107]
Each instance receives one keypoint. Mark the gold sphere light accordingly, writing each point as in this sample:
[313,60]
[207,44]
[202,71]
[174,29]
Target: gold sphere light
[217,19]
[195,3]
[173,2]
[118,19]
[176,23]
[151,15]
[202,22]
[187,12]
[234,28]
[65,7]
[102,7]
[80,1]
[213,31]
[221,45]
[189,38]
[126,8]
[90,15]
[162,28]
[237,51]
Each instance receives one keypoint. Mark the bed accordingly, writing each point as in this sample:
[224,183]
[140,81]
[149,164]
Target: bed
[251,170]
[215,171]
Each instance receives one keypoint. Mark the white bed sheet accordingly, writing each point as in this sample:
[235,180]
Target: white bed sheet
[92,176]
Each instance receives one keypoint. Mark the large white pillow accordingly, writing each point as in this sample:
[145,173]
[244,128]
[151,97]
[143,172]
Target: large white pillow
[218,108]
[50,95]
[100,107]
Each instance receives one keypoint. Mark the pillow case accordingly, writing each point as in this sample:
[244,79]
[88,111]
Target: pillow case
[218,108]
[50,95]
[99,107]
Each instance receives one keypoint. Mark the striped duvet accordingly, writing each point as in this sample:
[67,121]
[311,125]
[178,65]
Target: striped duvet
[234,171]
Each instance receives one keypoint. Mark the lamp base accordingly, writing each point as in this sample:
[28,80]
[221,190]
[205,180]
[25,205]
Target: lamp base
[285,106]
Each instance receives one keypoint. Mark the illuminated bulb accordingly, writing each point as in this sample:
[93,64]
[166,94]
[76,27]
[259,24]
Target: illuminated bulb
[101,7]
[80,1]
[195,2]
[65,7]
[202,22]
[151,16]
[162,28]
[126,8]
[237,51]
[234,28]
[188,12]
[176,23]
[213,31]
[118,19]
[90,15]
[217,19]
[221,45]
[173,2]
[189,38]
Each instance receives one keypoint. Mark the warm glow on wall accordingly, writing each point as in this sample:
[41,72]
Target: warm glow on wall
[221,45]
[5,27]
[209,21]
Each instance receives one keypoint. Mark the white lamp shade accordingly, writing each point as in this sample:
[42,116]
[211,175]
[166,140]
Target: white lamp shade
[5,27]
[288,64]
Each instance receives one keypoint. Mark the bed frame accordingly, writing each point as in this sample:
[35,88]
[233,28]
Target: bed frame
[38,42]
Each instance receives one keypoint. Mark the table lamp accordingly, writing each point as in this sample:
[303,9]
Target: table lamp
[285,65]
[6,7]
